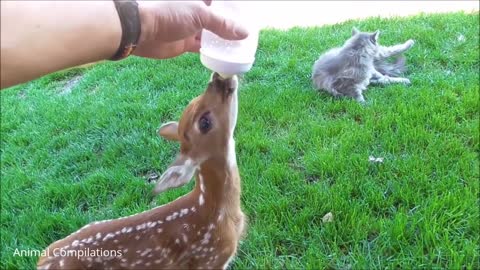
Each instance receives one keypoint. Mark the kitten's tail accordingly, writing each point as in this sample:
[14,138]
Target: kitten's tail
[391,69]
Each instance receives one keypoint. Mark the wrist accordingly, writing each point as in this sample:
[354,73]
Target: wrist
[130,20]
[147,23]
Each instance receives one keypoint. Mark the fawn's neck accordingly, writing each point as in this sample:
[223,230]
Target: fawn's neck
[218,184]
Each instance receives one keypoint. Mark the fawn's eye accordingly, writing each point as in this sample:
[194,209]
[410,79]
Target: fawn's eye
[205,123]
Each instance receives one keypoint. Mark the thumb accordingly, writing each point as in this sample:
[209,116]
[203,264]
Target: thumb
[223,27]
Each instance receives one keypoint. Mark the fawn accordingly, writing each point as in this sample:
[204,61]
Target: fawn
[199,230]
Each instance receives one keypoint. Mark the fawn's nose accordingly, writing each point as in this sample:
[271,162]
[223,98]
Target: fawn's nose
[223,87]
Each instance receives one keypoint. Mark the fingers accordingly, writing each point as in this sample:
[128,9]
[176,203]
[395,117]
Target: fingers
[193,44]
[221,26]
[198,36]
[163,50]
[193,47]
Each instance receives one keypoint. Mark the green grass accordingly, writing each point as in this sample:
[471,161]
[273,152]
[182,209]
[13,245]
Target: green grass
[77,145]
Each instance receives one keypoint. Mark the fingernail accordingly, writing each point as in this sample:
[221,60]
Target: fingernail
[241,32]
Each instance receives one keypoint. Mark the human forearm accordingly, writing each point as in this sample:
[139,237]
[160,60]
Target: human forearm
[39,37]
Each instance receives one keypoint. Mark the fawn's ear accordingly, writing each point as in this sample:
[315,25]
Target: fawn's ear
[169,131]
[178,174]
[374,36]
[355,31]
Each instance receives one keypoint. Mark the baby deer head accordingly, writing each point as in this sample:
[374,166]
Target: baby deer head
[205,131]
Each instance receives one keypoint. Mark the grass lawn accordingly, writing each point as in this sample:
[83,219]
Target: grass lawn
[77,146]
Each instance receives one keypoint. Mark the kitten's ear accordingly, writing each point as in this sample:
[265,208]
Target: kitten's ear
[374,36]
[355,31]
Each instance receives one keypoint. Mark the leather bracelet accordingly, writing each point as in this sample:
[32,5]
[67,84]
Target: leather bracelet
[131,27]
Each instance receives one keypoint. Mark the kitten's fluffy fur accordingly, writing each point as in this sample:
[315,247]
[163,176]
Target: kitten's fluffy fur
[348,70]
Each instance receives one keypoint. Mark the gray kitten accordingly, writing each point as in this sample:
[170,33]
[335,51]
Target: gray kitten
[348,70]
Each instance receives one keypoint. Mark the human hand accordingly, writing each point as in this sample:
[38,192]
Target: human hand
[171,28]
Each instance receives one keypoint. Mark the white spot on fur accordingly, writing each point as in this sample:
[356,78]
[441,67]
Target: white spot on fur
[201,200]
[98,236]
[220,216]
[231,156]
[137,237]
[206,238]
[183,212]
[193,209]
[148,250]
[45,267]
[202,186]
[159,230]
[108,236]
[75,243]
[184,237]
[141,226]
[90,239]
[151,224]
[61,263]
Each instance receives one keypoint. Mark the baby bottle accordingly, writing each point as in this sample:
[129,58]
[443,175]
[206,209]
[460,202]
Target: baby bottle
[228,57]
